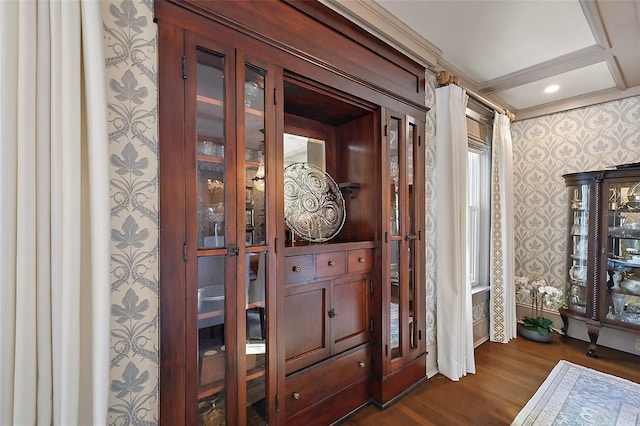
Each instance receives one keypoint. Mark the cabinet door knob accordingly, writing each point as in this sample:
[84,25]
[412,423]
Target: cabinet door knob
[361,364]
[361,259]
[295,395]
[332,263]
[332,313]
[297,269]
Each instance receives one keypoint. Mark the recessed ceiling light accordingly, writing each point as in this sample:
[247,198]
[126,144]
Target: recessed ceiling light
[551,89]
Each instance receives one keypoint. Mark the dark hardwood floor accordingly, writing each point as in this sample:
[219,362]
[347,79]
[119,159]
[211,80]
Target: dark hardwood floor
[507,376]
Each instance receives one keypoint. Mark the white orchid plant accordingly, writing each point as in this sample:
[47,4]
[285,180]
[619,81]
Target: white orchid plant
[541,295]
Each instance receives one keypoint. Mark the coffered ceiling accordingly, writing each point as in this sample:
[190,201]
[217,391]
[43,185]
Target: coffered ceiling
[509,51]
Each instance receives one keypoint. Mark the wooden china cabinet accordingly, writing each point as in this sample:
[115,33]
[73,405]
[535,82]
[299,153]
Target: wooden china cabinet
[264,318]
[603,256]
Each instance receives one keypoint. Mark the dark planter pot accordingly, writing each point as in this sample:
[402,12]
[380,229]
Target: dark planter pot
[534,335]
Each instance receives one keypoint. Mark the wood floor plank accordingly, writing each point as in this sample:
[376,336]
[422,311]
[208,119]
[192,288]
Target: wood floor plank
[507,376]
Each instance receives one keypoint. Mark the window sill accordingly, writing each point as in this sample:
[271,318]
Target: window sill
[480,289]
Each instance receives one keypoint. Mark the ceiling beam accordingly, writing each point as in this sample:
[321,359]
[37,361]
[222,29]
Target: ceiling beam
[565,63]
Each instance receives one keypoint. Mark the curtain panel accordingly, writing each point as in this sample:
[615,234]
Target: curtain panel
[502,302]
[54,197]
[453,286]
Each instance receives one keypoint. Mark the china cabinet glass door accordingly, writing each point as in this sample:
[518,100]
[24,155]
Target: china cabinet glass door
[621,284]
[214,163]
[229,212]
[403,234]
[254,199]
[578,247]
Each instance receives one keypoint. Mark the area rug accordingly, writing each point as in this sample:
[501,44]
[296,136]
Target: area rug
[575,395]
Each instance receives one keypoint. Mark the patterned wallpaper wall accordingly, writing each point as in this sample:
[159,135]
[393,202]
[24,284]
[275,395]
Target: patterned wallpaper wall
[544,149]
[430,206]
[132,96]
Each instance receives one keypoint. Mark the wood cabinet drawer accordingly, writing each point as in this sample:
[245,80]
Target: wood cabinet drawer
[299,268]
[360,260]
[315,383]
[330,264]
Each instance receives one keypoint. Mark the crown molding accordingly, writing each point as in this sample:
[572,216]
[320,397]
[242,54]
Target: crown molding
[375,19]
[589,99]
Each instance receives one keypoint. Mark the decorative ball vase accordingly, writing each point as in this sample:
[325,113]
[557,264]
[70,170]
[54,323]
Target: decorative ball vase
[534,335]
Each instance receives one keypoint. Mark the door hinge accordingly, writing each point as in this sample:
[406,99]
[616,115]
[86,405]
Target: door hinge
[370,286]
[419,234]
[419,334]
[275,96]
[371,325]
[275,244]
[184,252]
[277,402]
[184,67]
[233,250]
[386,237]
[386,350]
[419,140]
[386,127]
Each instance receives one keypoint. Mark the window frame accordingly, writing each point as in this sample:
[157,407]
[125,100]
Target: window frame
[479,136]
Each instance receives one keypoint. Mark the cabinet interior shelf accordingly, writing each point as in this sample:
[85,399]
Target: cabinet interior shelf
[218,386]
[218,102]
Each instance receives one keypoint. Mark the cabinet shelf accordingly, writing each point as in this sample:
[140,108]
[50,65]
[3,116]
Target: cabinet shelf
[219,103]
[209,158]
[626,262]
[218,386]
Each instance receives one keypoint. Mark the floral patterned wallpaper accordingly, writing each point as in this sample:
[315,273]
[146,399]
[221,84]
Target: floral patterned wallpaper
[430,206]
[544,149]
[132,96]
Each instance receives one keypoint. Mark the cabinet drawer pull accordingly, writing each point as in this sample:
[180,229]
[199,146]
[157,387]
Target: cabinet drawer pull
[361,364]
[297,269]
[295,395]
[361,259]
[332,263]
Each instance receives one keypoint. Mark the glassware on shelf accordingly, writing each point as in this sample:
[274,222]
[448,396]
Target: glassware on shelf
[578,273]
[210,148]
[250,92]
[618,302]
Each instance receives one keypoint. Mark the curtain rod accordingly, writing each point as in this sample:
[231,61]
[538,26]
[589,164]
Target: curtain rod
[444,78]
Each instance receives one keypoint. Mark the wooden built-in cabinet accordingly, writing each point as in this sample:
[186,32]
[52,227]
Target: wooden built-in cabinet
[258,325]
[603,251]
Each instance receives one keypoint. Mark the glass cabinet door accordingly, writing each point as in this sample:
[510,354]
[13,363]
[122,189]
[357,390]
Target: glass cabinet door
[229,213]
[621,283]
[253,198]
[402,238]
[396,277]
[578,247]
[211,216]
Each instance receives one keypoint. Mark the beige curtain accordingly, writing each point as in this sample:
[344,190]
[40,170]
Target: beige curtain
[54,199]
[502,305]
[453,286]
